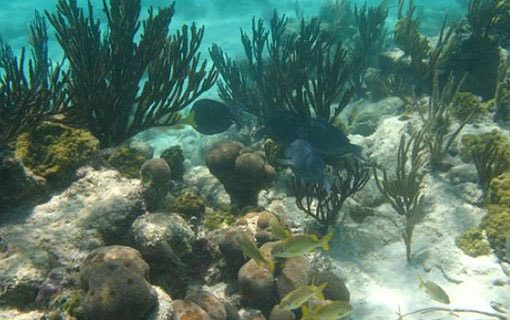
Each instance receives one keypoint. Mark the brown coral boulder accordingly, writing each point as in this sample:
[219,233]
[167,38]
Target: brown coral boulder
[187,310]
[155,175]
[294,274]
[280,314]
[115,280]
[231,251]
[336,288]
[257,286]
[209,303]
[243,174]
[222,156]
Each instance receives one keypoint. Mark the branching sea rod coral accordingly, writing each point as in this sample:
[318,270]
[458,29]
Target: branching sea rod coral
[26,100]
[105,88]
[312,71]
[403,191]
[350,178]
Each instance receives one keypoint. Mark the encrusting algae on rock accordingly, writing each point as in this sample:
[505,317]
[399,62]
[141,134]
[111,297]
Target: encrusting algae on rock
[54,151]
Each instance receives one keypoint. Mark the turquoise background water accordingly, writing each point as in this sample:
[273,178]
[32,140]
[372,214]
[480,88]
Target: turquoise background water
[222,18]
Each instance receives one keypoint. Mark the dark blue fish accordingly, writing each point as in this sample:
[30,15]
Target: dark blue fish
[209,117]
[327,139]
[306,164]
[284,126]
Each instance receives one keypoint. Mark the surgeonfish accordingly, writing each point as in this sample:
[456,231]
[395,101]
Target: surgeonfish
[210,117]
[330,311]
[297,297]
[434,291]
[284,125]
[327,139]
[250,250]
[298,245]
[306,164]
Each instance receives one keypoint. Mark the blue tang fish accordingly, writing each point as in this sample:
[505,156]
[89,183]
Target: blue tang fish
[306,163]
[327,139]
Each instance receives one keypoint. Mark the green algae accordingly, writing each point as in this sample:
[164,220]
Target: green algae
[473,243]
[54,151]
[127,161]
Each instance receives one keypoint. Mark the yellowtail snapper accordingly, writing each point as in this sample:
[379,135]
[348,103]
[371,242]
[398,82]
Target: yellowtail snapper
[278,231]
[250,250]
[331,311]
[298,245]
[297,297]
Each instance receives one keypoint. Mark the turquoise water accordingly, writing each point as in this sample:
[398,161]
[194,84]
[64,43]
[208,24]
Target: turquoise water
[222,18]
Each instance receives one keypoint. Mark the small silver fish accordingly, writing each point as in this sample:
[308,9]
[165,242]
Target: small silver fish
[434,291]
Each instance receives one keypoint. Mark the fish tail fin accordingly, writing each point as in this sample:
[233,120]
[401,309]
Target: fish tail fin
[326,239]
[422,283]
[235,112]
[356,150]
[320,289]
[189,119]
[305,310]
[270,265]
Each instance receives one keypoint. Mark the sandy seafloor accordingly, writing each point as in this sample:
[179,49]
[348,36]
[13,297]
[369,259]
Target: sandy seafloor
[370,256]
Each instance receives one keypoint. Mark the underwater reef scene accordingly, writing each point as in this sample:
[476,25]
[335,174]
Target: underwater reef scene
[255,159]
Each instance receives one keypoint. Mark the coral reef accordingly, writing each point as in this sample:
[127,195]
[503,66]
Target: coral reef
[175,159]
[242,174]
[215,309]
[19,185]
[54,151]
[165,241]
[189,204]
[218,219]
[184,309]
[155,175]
[127,161]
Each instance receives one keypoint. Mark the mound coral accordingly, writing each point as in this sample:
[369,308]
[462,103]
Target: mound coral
[155,175]
[115,280]
[243,175]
